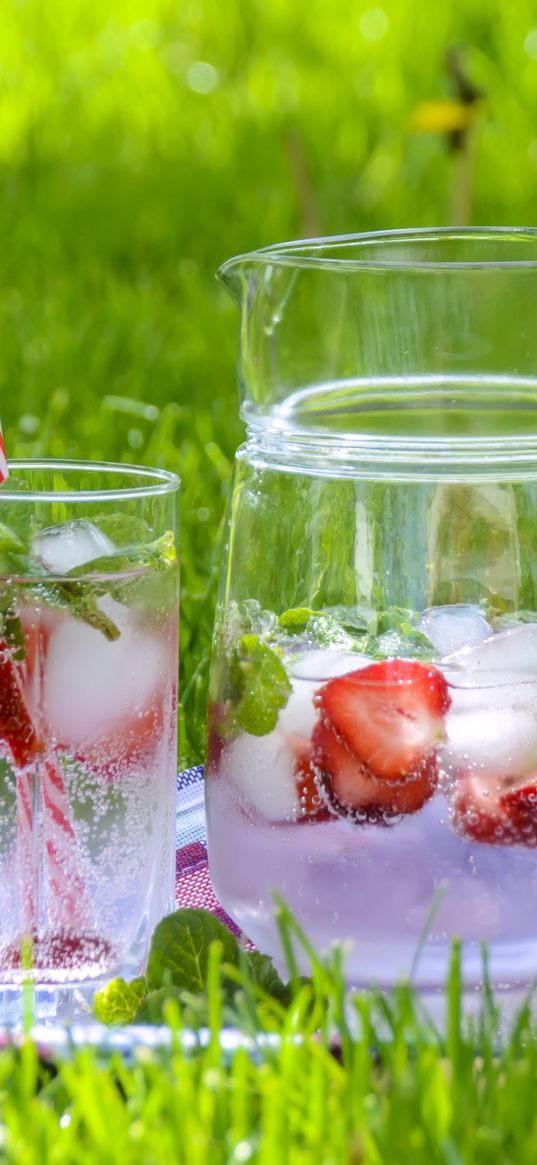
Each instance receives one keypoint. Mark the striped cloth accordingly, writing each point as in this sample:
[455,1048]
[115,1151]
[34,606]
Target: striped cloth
[192,881]
[3,458]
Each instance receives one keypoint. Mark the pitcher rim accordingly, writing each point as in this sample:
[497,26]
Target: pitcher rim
[305,253]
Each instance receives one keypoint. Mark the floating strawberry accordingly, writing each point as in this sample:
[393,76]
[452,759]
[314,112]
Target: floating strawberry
[312,805]
[354,791]
[132,744]
[16,727]
[477,810]
[521,805]
[492,812]
[389,715]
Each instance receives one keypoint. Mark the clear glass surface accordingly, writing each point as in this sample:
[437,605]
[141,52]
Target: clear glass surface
[372,746]
[88,698]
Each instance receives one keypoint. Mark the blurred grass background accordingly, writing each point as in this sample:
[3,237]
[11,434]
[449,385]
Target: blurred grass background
[143,142]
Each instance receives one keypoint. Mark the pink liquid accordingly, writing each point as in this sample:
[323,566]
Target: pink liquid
[384,888]
[87,829]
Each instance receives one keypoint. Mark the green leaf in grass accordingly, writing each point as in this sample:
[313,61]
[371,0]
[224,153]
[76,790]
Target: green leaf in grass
[119,1001]
[264,975]
[153,1006]
[180,947]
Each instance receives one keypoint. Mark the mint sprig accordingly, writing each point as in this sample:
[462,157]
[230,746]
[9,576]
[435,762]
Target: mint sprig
[178,970]
[250,685]
[158,555]
[261,686]
[318,628]
[23,577]
[119,1001]
[180,950]
[75,599]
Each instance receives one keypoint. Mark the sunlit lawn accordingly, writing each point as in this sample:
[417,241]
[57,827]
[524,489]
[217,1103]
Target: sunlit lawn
[141,143]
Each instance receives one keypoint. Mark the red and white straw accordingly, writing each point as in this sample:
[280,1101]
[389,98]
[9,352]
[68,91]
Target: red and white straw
[3,459]
[68,905]
[26,865]
[54,847]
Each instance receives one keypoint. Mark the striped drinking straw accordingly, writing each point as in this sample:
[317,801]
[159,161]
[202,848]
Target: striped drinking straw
[31,758]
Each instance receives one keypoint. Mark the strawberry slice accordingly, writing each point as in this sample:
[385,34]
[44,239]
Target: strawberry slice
[353,790]
[477,810]
[521,805]
[487,811]
[16,726]
[312,805]
[389,715]
[132,744]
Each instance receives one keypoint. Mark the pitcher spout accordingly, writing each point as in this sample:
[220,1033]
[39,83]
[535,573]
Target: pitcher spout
[233,275]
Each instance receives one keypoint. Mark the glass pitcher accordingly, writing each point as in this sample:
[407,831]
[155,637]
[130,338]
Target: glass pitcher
[372,748]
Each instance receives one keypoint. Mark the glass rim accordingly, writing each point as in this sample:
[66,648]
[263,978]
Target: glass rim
[159,481]
[321,252]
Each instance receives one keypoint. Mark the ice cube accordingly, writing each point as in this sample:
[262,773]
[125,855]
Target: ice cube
[62,548]
[261,769]
[308,673]
[507,657]
[91,685]
[299,715]
[491,730]
[492,723]
[324,665]
[453,627]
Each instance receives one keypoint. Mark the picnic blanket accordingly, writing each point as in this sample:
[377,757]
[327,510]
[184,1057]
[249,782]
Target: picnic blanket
[193,885]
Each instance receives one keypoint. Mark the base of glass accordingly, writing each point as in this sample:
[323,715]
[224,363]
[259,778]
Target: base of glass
[35,1003]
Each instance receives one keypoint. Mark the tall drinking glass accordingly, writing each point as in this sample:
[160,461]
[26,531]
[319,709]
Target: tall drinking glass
[373,721]
[88,697]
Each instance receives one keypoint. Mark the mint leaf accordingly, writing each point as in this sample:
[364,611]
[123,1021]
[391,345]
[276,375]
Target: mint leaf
[355,620]
[72,597]
[395,618]
[295,619]
[152,585]
[153,1007]
[503,622]
[321,629]
[158,555]
[76,599]
[402,644]
[398,636]
[261,684]
[249,618]
[264,974]
[77,594]
[119,1001]
[180,948]
[123,529]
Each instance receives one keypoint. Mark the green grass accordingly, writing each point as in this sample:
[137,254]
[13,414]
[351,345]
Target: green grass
[141,143]
[144,142]
[373,1084]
